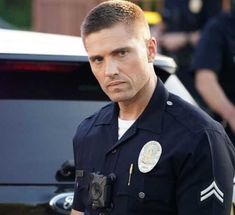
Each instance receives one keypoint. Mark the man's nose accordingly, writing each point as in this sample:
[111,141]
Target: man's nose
[111,68]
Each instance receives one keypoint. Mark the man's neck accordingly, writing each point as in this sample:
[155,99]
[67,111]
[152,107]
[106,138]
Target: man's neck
[132,109]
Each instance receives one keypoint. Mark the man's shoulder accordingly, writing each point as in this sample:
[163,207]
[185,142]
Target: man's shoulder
[220,23]
[191,118]
[193,130]
[87,123]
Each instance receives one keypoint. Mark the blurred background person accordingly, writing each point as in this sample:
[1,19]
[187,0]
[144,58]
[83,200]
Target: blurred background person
[214,69]
[180,31]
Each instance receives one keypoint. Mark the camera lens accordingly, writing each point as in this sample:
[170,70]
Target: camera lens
[96,191]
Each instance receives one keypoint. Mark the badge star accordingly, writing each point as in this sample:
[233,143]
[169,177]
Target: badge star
[212,189]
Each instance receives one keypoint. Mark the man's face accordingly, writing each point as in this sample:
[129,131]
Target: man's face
[120,60]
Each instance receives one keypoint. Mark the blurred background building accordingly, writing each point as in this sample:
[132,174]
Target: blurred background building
[59,16]
[62,16]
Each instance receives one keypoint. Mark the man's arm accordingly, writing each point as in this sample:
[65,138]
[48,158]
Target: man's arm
[212,93]
[177,40]
[74,212]
[205,181]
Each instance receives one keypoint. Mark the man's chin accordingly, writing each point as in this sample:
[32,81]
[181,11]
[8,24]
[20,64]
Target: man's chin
[118,98]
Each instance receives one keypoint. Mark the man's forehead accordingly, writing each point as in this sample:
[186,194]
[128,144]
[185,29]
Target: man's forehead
[108,39]
[133,29]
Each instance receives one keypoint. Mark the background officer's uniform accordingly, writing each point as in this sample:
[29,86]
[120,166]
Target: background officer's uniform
[216,51]
[193,175]
[187,16]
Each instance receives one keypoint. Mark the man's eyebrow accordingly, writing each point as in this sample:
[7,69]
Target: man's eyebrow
[115,51]
[94,57]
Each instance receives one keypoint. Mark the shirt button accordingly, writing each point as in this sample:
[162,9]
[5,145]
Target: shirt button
[141,195]
[170,103]
[114,151]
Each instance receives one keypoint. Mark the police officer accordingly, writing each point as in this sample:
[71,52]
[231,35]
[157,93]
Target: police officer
[148,151]
[183,21]
[214,66]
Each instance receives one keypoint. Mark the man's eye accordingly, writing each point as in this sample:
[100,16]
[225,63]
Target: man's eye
[97,60]
[122,53]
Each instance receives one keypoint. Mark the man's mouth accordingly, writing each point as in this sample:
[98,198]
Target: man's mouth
[115,83]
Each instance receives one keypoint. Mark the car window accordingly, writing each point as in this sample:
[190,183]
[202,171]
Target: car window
[40,108]
[48,80]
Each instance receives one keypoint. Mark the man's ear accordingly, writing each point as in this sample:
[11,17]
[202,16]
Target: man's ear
[152,49]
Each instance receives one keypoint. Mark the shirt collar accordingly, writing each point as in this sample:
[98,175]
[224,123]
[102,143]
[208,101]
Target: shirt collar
[150,119]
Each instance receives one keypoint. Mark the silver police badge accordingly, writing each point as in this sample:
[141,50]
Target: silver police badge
[149,156]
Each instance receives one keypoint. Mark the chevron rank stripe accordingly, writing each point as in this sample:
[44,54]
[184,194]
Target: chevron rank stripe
[212,189]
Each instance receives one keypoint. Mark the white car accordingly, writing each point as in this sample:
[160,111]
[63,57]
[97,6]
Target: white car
[24,45]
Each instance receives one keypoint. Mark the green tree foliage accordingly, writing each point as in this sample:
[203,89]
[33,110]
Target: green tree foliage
[152,3]
[16,12]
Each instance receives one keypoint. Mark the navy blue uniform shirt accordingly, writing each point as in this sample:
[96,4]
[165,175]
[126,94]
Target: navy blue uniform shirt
[216,51]
[187,16]
[193,175]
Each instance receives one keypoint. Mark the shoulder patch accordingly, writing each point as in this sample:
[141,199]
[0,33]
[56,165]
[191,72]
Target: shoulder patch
[212,190]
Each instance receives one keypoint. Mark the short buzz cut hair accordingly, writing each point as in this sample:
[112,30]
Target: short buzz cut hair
[110,13]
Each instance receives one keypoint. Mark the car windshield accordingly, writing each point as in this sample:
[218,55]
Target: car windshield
[39,112]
